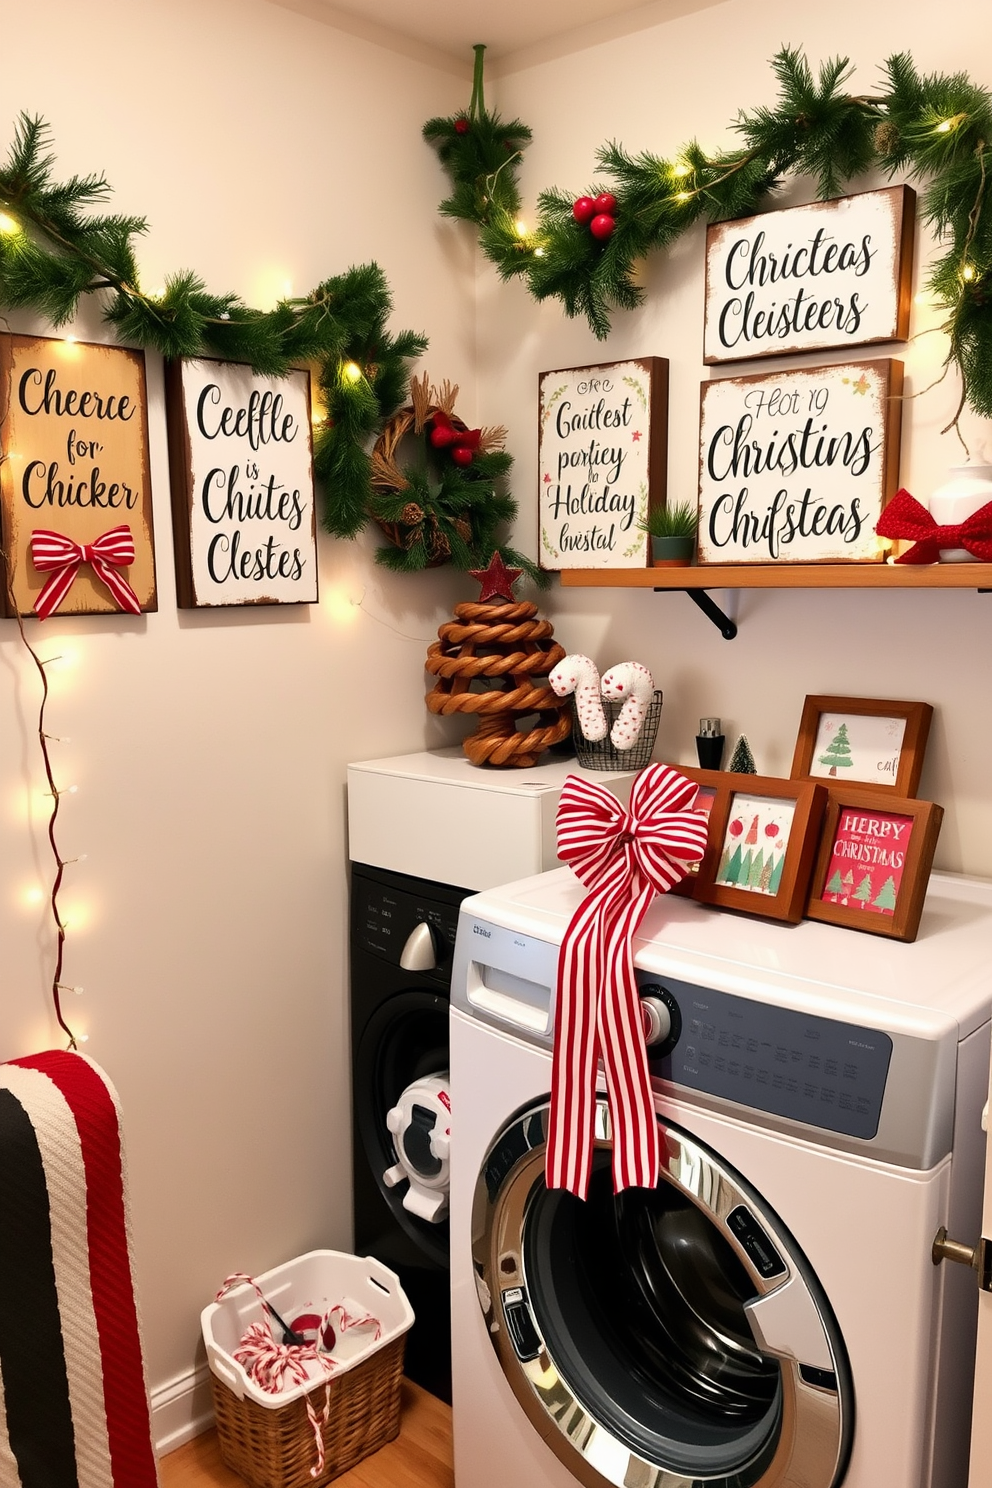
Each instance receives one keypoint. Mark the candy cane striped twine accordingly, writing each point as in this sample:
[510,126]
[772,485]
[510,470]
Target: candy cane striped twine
[279,1366]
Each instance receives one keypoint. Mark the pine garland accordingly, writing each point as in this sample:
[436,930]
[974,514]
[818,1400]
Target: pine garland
[54,249]
[935,129]
[481,155]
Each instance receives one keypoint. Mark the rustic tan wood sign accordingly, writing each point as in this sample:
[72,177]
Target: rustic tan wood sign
[835,273]
[603,458]
[242,485]
[796,467]
[75,493]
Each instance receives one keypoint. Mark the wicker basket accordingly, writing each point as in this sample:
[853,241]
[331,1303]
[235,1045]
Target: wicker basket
[275,1448]
[268,1439]
[601,754]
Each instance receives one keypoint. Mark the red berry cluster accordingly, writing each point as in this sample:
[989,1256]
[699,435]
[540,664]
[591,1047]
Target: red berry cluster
[462,125]
[461,444]
[598,213]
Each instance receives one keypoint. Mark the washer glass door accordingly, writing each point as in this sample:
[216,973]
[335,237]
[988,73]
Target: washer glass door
[664,1336]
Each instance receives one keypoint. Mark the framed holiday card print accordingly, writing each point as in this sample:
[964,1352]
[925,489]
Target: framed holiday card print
[874,861]
[75,490]
[869,742]
[241,463]
[602,462]
[763,834]
[712,788]
[797,466]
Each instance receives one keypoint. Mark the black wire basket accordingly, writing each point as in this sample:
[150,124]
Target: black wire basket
[601,754]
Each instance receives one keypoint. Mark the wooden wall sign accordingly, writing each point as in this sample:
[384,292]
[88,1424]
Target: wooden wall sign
[603,460]
[836,273]
[75,493]
[242,485]
[796,467]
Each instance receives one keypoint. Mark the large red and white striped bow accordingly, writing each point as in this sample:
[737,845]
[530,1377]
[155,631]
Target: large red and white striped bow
[624,858]
[113,550]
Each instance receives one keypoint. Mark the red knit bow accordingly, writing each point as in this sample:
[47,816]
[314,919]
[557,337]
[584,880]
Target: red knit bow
[111,551]
[905,517]
[624,858]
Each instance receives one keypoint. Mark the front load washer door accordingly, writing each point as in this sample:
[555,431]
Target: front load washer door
[664,1337]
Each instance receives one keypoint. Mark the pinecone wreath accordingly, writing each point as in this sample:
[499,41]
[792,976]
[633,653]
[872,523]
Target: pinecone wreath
[490,661]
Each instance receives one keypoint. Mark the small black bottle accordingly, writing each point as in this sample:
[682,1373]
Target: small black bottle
[709,743]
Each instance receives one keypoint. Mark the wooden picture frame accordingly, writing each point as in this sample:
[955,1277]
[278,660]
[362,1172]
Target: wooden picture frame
[887,754]
[829,274]
[873,863]
[778,873]
[75,474]
[712,784]
[602,462]
[797,466]
[241,466]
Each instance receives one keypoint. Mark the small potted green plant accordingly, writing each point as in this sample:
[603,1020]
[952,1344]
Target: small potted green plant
[672,530]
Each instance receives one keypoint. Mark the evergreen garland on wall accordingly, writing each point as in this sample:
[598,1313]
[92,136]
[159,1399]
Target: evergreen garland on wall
[54,249]
[935,129]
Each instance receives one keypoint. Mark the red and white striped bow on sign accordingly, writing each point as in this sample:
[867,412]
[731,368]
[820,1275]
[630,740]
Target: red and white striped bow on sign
[111,551]
[624,858]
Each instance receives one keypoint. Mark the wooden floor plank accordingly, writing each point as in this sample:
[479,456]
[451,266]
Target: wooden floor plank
[420,1457]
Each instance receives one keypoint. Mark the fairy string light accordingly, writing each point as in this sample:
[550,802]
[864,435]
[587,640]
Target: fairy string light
[58,987]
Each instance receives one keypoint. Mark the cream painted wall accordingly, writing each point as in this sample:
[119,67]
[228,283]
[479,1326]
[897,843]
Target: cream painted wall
[652,91]
[207,924]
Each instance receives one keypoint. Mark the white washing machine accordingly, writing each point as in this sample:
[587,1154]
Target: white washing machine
[769,1316]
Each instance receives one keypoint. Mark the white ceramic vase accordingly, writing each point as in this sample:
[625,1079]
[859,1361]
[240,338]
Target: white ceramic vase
[969,489]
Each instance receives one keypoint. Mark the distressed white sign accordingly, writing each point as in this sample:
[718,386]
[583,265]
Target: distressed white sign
[834,273]
[796,467]
[242,485]
[603,457]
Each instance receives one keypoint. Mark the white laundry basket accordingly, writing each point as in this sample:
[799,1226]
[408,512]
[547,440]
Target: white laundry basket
[268,1439]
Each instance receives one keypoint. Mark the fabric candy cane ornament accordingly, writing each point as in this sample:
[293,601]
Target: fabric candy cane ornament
[624,858]
[580,675]
[629,680]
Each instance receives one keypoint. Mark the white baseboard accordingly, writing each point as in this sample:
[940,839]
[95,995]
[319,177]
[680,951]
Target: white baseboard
[181,1409]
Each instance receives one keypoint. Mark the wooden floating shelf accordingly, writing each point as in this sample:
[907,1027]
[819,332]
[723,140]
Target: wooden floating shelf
[786,576]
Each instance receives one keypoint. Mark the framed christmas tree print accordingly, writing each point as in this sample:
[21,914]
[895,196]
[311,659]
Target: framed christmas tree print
[867,742]
[763,835]
[874,861]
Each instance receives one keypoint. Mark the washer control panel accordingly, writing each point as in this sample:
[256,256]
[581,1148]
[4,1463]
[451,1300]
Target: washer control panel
[385,917]
[788,1063]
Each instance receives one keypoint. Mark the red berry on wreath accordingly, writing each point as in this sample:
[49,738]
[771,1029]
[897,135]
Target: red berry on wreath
[602,226]
[583,210]
[605,205]
[442,435]
[461,455]
[461,126]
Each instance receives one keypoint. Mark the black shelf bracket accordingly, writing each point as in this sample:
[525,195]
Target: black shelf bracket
[712,611]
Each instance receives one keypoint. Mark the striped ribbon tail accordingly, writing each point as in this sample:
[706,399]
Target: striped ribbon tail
[112,551]
[624,858]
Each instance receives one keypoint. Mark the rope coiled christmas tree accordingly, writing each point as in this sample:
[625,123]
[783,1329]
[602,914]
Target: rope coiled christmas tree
[489,662]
